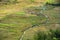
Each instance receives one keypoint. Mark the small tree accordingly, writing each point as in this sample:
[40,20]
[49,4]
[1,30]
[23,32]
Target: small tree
[53,1]
[43,35]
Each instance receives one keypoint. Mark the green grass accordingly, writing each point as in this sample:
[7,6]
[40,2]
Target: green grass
[13,25]
[53,15]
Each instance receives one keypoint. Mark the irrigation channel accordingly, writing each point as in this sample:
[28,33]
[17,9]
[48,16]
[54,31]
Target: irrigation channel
[36,25]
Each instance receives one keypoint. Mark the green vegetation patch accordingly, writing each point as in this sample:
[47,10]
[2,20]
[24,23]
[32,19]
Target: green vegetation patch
[15,24]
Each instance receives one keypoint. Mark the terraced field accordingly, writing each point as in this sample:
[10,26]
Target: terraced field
[15,24]
[42,23]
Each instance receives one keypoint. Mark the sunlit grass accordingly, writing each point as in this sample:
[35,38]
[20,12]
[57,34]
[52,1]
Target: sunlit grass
[16,23]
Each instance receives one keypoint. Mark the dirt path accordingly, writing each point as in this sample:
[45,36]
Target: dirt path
[33,26]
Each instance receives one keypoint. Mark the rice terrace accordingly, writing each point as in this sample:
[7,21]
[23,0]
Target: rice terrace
[29,19]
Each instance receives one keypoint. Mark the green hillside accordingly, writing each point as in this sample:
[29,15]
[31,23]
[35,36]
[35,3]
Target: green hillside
[29,20]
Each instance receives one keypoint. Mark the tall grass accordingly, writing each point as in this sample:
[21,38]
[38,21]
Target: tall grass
[47,35]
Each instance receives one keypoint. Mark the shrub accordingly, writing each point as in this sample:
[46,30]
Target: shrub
[57,34]
[53,1]
[43,35]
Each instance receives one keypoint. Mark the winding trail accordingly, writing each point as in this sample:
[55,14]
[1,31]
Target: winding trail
[40,13]
[22,35]
[21,38]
